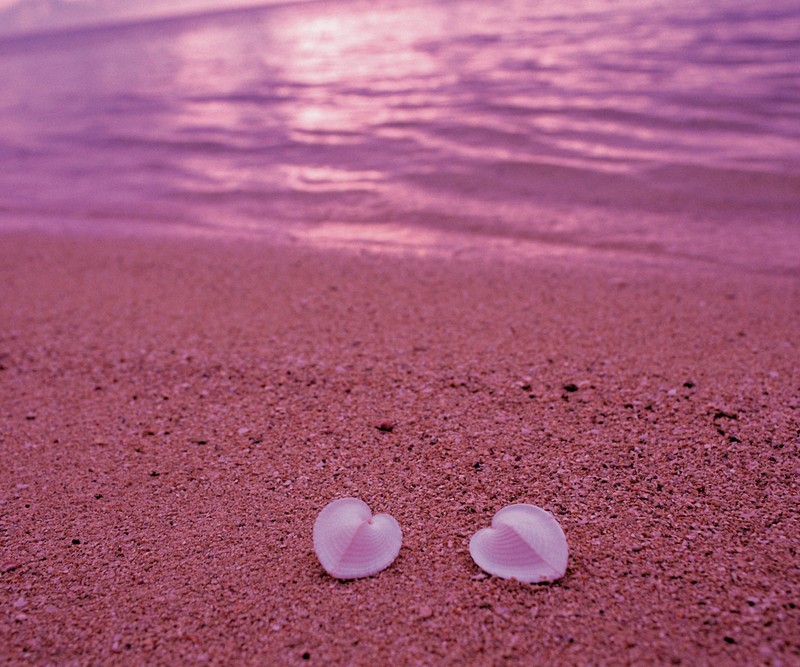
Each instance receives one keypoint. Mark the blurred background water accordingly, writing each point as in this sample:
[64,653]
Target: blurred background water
[649,127]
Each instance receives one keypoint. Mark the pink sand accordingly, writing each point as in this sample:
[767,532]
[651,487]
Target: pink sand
[174,414]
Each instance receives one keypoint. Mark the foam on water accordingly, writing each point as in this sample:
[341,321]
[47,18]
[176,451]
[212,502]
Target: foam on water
[645,127]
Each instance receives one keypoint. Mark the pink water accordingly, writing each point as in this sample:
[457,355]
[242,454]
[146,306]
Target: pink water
[647,129]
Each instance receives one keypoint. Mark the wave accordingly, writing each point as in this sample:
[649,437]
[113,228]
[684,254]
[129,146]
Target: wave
[492,119]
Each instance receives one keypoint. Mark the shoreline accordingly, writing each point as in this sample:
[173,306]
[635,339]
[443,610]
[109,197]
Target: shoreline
[770,252]
[177,411]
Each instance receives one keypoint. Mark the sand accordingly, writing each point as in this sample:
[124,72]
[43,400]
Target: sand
[175,413]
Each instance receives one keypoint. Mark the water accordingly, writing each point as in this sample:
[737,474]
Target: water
[645,127]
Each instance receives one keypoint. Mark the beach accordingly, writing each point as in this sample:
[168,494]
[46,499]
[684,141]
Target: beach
[441,256]
[177,411]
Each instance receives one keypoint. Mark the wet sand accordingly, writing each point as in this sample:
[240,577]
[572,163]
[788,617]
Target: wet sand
[175,413]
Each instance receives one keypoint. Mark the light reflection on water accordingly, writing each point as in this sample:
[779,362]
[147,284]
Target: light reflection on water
[496,119]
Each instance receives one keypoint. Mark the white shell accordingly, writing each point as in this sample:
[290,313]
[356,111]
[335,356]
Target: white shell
[525,543]
[351,543]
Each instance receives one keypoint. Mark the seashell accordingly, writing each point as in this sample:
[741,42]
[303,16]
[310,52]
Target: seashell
[351,543]
[524,542]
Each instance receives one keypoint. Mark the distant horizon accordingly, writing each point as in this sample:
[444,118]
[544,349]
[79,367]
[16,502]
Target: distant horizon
[22,17]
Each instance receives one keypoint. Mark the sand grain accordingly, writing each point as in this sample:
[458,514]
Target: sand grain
[174,414]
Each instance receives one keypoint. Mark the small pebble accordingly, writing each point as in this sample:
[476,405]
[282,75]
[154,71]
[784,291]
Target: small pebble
[502,612]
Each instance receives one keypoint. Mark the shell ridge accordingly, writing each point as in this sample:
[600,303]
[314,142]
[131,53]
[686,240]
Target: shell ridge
[339,552]
[353,536]
[530,548]
[522,536]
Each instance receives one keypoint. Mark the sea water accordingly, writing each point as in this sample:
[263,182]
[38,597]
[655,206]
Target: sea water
[646,127]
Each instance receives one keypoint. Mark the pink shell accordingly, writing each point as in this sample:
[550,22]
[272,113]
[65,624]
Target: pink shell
[524,542]
[351,543]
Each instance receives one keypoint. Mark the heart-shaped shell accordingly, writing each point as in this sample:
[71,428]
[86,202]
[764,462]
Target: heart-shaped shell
[524,542]
[351,543]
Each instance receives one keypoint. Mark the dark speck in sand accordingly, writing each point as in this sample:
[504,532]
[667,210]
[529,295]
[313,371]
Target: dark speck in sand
[571,387]
[153,473]
[385,426]
[306,656]
[76,541]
